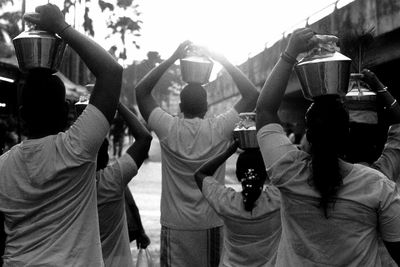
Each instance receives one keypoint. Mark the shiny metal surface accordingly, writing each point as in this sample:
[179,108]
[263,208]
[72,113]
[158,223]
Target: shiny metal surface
[245,131]
[39,49]
[247,138]
[359,90]
[196,69]
[324,75]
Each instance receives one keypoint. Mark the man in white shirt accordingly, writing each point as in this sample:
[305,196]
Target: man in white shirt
[47,185]
[190,234]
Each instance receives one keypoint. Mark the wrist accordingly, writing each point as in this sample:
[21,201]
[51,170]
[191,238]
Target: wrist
[287,57]
[62,28]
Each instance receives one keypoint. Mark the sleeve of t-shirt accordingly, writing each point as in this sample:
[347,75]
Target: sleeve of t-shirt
[86,135]
[115,177]
[225,123]
[160,121]
[389,212]
[389,161]
[220,197]
[274,143]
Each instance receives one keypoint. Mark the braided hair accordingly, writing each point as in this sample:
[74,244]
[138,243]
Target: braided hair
[250,171]
[327,123]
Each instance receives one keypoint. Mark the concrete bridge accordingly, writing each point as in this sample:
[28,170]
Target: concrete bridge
[381,53]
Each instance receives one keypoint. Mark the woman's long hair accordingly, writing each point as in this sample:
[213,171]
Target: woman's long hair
[327,123]
[250,171]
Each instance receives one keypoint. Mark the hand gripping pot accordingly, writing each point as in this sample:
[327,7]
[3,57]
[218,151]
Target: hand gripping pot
[39,49]
[324,70]
[245,131]
[196,69]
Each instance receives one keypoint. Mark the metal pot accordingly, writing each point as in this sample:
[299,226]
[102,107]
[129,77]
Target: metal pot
[39,49]
[324,71]
[196,69]
[361,101]
[245,131]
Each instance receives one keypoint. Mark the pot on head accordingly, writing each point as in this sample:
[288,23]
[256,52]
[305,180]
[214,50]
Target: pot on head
[39,49]
[196,69]
[245,131]
[361,101]
[324,70]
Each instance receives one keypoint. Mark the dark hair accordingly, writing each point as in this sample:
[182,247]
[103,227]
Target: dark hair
[193,99]
[43,102]
[327,123]
[250,171]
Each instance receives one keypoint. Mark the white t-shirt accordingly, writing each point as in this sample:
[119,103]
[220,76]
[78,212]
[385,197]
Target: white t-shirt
[250,238]
[48,196]
[367,206]
[111,183]
[185,145]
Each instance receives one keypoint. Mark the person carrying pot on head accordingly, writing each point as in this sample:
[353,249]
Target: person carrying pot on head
[114,199]
[333,212]
[47,185]
[251,217]
[191,229]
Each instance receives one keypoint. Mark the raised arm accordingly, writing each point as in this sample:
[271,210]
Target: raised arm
[384,99]
[246,88]
[274,88]
[389,161]
[209,168]
[108,72]
[138,150]
[145,100]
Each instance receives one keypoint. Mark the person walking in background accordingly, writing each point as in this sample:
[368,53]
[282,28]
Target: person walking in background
[251,217]
[112,185]
[191,229]
[333,212]
[117,134]
[47,185]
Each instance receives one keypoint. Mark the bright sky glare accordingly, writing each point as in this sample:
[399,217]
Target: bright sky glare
[238,29]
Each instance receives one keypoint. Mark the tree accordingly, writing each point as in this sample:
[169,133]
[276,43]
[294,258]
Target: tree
[122,19]
[170,82]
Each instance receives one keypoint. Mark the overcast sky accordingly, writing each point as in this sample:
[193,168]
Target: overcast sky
[236,28]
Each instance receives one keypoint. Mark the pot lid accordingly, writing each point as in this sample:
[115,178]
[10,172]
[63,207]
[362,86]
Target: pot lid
[36,34]
[326,50]
[196,59]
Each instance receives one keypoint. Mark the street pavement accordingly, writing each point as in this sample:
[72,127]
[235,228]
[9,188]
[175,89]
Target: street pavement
[146,189]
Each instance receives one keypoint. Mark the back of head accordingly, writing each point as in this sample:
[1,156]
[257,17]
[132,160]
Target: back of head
[193,100]
[44,109]
[327,123]
[250,170]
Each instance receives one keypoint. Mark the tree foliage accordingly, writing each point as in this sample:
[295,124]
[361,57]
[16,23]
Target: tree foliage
[122,20]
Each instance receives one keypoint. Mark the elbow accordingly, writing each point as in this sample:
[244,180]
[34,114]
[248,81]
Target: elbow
[116,69]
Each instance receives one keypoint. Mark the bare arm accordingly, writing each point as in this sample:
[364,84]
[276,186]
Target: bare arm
[274,88]
[146,101]
[108,72]
[384,98]
[138,150]
[209,168]
[246,88]
[389,161]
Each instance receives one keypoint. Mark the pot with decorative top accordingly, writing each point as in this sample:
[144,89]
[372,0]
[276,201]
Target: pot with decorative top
[324,70]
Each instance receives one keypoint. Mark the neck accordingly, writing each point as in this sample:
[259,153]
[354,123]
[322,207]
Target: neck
[190,116]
